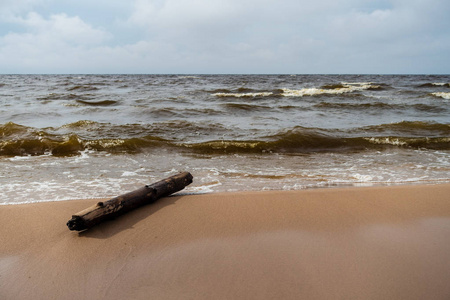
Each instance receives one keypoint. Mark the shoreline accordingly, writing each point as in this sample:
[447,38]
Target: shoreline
[386,242]
[183,192]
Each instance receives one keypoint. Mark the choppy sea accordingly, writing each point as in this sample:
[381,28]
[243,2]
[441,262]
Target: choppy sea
[86,136]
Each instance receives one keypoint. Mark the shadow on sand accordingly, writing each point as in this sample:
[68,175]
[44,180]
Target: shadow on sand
[127,221]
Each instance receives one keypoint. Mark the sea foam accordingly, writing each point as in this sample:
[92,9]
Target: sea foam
[345,88]
[442,95]
[240,95]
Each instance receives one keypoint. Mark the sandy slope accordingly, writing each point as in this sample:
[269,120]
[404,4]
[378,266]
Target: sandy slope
[358,243]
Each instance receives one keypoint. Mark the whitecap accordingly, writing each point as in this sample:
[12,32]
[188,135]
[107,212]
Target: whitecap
[128,174]
[346,88]
[240,95]
[442,95]
[19,158]
[386,141]
[362,178]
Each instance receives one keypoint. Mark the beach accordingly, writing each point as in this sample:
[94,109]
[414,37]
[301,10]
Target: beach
[335,243]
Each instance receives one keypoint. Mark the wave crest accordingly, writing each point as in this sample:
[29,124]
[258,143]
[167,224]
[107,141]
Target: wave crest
[442,95]
[434,85]
[73,138]
[330,89]
[243,95]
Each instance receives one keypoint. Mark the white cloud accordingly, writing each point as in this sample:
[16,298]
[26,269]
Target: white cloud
[58,28]
[214,36]
[176,13]
[47,42]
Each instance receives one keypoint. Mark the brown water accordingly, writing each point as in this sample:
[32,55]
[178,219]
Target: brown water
[81,136]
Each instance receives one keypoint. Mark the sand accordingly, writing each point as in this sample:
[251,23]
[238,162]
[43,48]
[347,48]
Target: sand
[356,243]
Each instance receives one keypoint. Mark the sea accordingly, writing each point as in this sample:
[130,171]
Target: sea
[66,137]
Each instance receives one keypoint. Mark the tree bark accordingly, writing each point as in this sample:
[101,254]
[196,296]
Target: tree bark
[117,206]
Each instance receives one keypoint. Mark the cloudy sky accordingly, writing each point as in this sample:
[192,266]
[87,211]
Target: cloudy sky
[225,36]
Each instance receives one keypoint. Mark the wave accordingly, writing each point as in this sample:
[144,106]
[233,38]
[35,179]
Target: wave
[98,103]
[71,139]
[442,95]
[83,88]
[411,128]
[287,143]
[244,107]
[58,96]
[308,140]
[74,145]
[176,130]
[175,113]
[363,85]
[434,85]
[11,129]
[333,89]
[243,92]
[425,142]
[380,106]
[339,89]
[245,95]
[429,108]
[377,105]
[292,141]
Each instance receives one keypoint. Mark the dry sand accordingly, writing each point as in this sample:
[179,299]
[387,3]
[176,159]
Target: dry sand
[357,243]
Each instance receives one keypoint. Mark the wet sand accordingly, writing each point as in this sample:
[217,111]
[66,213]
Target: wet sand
[356,243]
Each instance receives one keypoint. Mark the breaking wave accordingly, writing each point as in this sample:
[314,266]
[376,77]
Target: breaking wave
[331,89]
[71,139]
[434,85]
[442,95]
[243,95]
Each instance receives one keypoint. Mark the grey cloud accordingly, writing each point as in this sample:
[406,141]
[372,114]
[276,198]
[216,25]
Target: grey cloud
[235,36]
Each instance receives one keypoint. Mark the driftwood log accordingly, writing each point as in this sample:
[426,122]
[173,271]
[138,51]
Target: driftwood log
[117,206]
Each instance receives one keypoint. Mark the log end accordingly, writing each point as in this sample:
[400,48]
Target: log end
[76,223]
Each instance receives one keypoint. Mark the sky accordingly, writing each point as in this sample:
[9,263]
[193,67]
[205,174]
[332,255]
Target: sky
[225,37]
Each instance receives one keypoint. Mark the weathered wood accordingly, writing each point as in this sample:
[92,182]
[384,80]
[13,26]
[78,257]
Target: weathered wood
[119,205]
